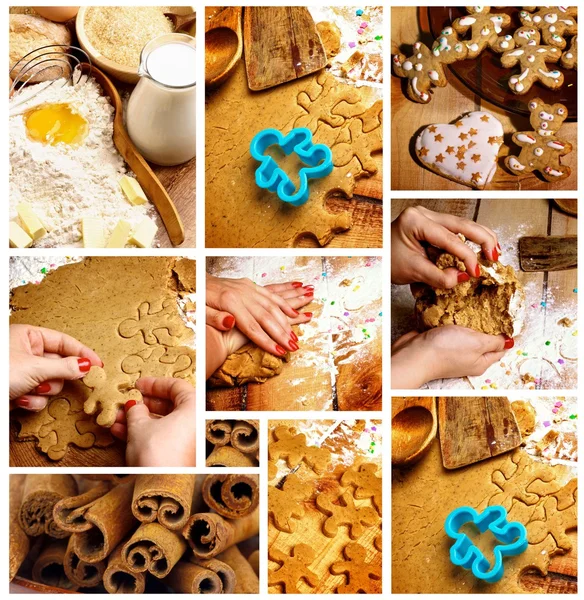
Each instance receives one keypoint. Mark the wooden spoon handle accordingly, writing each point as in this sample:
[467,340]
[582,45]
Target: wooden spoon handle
[229,17]
[182,22]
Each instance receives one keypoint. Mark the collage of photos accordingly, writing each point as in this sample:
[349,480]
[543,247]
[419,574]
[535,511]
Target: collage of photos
[237,335]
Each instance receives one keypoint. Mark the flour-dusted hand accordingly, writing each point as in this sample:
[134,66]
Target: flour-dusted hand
[417,227]
[160,431]
[444,352]
[40,360]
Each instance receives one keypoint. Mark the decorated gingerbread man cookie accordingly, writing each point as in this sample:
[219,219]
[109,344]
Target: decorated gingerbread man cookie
[541,150]
[485,29]
[532,58]
[569,58]
[465,151]
[554,22]
[425,68]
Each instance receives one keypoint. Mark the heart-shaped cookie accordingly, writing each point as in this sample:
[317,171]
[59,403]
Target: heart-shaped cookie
[465,151]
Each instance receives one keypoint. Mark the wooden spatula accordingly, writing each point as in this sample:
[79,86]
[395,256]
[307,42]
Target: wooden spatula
[548,253]
[472,429]
[281,44]
[413,429]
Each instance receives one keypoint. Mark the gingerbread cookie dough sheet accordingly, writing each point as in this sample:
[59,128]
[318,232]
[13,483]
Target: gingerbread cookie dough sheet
[541,495]
[545,352]
[448,104]
[350,442]
[127,310]
[340,348]
[346,118]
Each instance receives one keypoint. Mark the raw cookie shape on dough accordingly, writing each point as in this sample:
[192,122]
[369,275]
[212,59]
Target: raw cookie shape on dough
[249,364]
[485,28]
[366,483]
[569,58]
[345,513]
[361,575]
[70,428]
[294,567]
[465,151]
[108,394]
[286,504]
[158,323]
[292,447]
[272,470]
[555,22]
[541,149]
[160,361]
[532,58]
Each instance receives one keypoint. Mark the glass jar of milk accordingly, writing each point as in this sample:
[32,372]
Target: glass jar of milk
[161,111]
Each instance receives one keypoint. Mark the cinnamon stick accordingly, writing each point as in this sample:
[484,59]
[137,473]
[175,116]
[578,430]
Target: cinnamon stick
[153,548]
[227,456]
[19,543]
[40,494]
[166,498]
[231,496]
[254,561]
[69,513]
[115,479]
[188,578]
[209,534]
[48,567]
[112,518]
[245,436]
[225,573]
[81,573]
[218,432]
[119,579]
[247,581]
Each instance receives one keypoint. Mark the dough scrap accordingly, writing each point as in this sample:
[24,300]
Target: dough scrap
[294,567]
[285,504]
[366,482]
[330,36]
[345,513]
[293,448]
[490,303]
[155,362]
[361,575]
[250,364]
[525,415]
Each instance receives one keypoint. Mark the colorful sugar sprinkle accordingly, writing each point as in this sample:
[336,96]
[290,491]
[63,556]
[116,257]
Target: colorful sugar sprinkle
[547,343]
[546,423]
[487,381]
[44,270]
[560,361]
[575,290]
[555,411]
[332,302]
[352,44]
[378,38]
[324,274]
[360,31]
[345,314]
[264,274]
[524,353]
[558,404]
[359,12]
[543,304]
[373,428]
[573,416]
[364,25]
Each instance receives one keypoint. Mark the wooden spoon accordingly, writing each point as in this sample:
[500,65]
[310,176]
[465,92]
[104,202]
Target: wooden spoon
[413,428]
[223,45]
[144,174]
[181,22]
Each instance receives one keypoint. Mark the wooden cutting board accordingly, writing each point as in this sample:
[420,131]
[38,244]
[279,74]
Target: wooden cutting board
[548,252]
[281,44]
[473,429]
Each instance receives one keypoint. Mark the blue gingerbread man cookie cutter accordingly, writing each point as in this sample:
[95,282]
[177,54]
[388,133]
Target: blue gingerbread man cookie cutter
[268,176]
[512,538]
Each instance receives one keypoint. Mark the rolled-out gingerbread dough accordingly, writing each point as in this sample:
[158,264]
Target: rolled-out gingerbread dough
[491,303]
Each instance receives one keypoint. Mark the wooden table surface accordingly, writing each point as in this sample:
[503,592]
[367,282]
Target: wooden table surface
[448,103]
[344,446]
[510,218]
[310,381]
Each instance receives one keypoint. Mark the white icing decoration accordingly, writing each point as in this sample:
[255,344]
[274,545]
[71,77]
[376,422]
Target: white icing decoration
[485,31]
[543,132]
[433,75]
[497,23]
[531,58]
[519,87]
[516,53]
[464,21]
[556,145]
[504,44]
[418,66]
[407,66]
[473,47]
[552,28]
[552,74]
[523,75]
[569,55]
[550,18]
[421,95]
[553,172]
[538,151]
[525,138]
[418,56]
[546,116]
[515,164]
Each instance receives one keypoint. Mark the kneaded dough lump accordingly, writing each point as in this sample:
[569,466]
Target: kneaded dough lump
[483,303]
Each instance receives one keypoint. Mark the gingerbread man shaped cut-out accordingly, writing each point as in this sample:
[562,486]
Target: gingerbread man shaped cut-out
[345,513]
[293,568]
[285,505]
[160,362]
[362,577]
[556,523]
[108,394]
[541,150]
[292,447]
[532,58]
[366,482]
[554,22]
[485,29]
[157,325]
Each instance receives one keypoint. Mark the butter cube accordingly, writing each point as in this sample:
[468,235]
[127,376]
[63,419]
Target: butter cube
[119,235]
[30,221]
[133,191]
[18,237]
[93,235]
[143,235]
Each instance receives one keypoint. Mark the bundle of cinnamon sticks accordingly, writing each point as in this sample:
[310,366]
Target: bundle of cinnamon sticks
[136,533]
[232,443]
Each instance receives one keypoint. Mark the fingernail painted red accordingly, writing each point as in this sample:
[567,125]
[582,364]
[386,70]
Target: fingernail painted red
[499,247]
[84,364]
[308,315]
[495,255]
[128,405]
[509,342]
[462,277]
[280,350]
[309,294]
[229,322]
[296,284]
[101,364]
[23,401]
[477,271]
[309,287]
[293,345]
[43,388]
[294,337]
[295,312]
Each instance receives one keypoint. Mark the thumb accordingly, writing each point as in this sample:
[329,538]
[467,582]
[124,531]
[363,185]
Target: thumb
[137,414]
[70,368]
[497,343]
[223,321]
[428,272]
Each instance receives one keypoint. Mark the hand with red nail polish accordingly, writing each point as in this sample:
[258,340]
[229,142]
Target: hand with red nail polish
[417,231]
[442,353]
[41,360]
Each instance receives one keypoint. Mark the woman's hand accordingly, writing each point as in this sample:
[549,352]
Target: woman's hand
[263,314]
[444,352]
[414,226]
[40,360]
[160,431]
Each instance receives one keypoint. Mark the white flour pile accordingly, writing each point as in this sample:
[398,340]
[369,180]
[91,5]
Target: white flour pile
[64,183]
